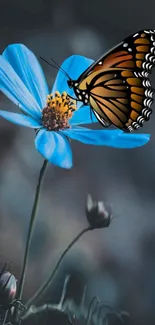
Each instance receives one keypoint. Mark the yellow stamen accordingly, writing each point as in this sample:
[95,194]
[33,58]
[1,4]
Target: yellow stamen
[60,108]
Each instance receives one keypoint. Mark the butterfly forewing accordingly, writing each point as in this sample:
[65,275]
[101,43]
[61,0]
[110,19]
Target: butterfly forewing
[135,52]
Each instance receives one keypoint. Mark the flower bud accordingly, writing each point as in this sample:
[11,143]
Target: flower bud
[97,215]
[8,288]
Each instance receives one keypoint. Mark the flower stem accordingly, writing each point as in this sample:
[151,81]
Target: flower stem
[29,236]
[41,291]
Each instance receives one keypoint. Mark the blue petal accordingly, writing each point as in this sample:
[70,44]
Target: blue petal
[54,147]
[12,86]
[83,115]
[125,140]
[111,138]
[20,119]
[27,67]
[74,66]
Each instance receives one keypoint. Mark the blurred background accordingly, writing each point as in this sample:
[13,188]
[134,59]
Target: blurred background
[117,263]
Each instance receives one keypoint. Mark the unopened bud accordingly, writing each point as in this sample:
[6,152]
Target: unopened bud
[8,288]
[97,215]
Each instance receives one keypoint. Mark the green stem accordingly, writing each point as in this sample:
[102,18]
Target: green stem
[38,295]
[29,236]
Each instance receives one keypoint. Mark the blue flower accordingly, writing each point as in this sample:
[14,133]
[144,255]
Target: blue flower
[53,116]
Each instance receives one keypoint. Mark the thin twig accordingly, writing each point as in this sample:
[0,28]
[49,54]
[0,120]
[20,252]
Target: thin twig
[63,295]
[83,298]
[38,295]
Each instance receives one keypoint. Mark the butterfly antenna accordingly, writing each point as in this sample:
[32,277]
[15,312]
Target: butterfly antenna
[61,68]
[53,66]
[56,67]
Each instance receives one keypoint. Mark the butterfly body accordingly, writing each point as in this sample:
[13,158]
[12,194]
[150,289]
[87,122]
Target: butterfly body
[117,85]
[82,95]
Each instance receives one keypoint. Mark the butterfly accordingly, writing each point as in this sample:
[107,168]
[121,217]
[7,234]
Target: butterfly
[117,85]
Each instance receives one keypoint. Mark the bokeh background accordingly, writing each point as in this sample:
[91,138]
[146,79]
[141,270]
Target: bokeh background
[117,263]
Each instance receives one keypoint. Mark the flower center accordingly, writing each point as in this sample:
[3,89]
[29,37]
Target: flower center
[58,111]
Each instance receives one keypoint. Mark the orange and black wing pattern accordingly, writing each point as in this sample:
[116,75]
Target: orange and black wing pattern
[123,100]
[136,52]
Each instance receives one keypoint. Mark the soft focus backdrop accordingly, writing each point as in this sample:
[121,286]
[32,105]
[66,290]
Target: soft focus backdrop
[118,263]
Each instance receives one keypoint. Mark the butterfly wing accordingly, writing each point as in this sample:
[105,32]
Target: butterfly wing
[123,100]
[135,52]
[120,97]
[102,119]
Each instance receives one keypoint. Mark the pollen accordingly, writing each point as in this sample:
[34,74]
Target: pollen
[59,109]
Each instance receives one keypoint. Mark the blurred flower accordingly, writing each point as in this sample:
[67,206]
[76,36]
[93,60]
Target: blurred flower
[97,215]
[8,291]
[55,116]
[8,288]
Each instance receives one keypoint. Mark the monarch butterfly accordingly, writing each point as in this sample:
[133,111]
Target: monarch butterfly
[117,85]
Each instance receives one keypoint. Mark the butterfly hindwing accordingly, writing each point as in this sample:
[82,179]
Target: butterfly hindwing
[104,121]
[122,98]
[141,99]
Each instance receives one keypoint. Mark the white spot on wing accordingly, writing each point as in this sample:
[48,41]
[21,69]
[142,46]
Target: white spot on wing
[135,35]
